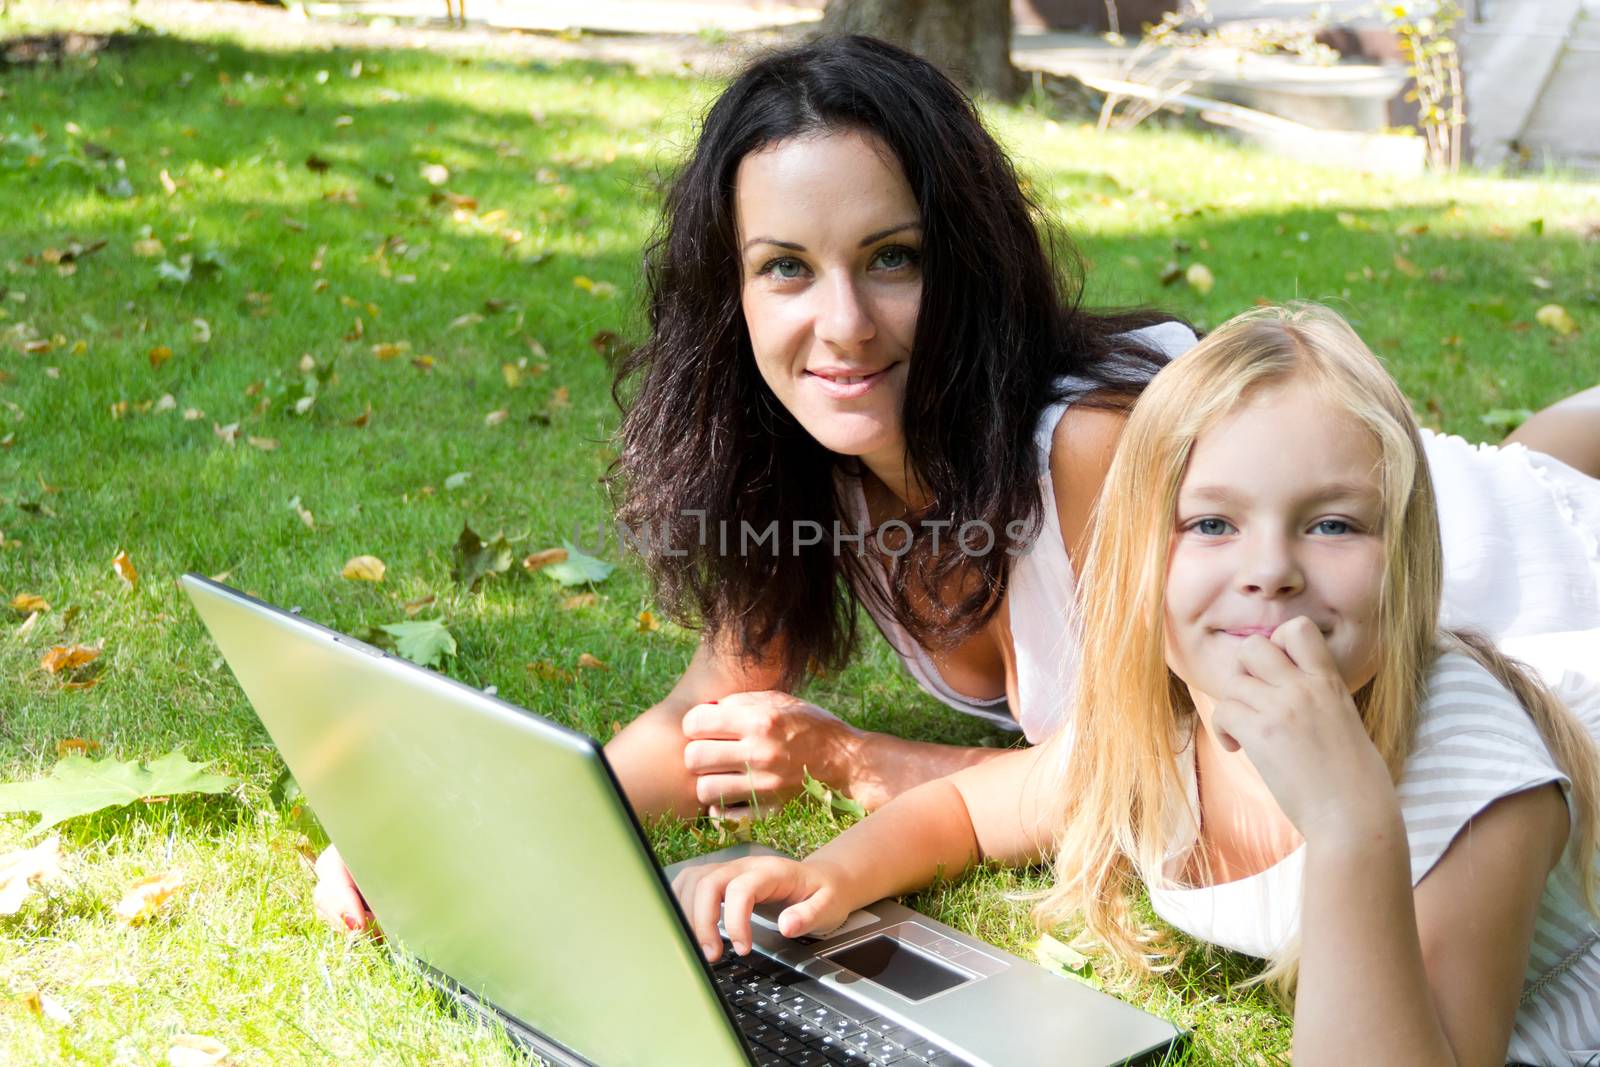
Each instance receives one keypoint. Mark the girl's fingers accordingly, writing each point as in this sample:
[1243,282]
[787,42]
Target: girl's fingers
[1262,659]
[805,916]
[1305,646]
[707,909]
[739,900]
[1229,719]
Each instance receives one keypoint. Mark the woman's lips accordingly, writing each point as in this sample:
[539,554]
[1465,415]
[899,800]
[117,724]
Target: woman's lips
[847,387]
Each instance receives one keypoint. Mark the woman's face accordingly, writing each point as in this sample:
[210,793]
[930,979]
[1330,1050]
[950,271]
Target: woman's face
[1279,515]
[830,276]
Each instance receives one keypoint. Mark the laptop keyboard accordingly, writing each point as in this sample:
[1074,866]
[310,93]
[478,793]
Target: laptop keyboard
[782,1026]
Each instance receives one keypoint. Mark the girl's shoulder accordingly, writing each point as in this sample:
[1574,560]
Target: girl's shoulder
[1474,745]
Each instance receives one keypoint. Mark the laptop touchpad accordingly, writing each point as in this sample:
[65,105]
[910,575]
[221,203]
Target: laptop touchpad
[895,965]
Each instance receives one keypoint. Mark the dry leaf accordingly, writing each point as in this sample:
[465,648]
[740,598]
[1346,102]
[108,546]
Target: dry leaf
[364,568]
[76,746]
[168,402]
[560,398]
[159,355]
[147,247]
[228,433]
[539,559]
[195,1050]
[167,183]
[647,622]
[512,374]
[390,349]
[45,1005]
[304,514]
[550,672]
[145,896]
[199,331]
[123,566]
[590,663]
[68,657]
[29,623]
[435,173]
[1557,318]
[1406,267]
[193,414]
[580,600]
[266,444]
[414,606]
[25,868]
[1200,278]
[495,418]
[29,602]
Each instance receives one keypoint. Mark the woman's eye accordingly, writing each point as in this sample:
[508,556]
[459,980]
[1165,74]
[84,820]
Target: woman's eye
[785,268]
[896,258]
[1333,527]
[1210,527]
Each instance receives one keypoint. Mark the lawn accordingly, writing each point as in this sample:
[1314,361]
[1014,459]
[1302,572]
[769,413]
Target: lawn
[265,311]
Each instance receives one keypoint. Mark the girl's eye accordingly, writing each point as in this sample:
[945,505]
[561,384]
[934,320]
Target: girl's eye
[896,258]
[1333,527]
[1211,527]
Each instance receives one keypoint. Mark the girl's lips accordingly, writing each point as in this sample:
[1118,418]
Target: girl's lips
[847,388]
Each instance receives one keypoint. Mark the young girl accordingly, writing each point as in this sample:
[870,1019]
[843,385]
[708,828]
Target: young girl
[1273,735]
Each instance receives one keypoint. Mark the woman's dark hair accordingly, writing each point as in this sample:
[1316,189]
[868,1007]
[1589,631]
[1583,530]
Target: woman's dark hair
[706,447]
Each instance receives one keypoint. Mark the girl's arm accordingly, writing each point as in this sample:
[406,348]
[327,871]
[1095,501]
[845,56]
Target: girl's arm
[1387,975]
[937,830]
[1433,976]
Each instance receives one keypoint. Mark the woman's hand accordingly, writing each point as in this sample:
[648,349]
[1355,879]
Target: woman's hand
[815,893]
[337,900]
[755,748]
[1292,713]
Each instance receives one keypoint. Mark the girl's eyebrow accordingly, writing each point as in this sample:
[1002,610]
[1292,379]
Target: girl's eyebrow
[1331,491]
[876,235]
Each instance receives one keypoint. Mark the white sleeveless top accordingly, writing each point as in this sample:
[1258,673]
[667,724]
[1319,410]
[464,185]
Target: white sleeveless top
[1521,538]
[1474,745]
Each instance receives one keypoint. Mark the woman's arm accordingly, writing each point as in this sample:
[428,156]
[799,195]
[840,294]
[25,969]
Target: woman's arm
[1433,976]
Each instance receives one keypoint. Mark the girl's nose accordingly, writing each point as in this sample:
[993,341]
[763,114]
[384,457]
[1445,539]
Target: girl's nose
[1270,569]
[843,320]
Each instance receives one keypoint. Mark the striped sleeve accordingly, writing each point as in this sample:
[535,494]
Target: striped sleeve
[1475,744]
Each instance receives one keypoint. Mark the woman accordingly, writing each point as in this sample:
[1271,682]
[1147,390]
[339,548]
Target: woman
[859,323]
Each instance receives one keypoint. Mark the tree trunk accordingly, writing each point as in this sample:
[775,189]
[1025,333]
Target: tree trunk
[970,40]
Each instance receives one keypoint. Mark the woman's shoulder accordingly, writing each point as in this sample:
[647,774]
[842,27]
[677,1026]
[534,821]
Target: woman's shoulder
[1171,338]
[1464,696]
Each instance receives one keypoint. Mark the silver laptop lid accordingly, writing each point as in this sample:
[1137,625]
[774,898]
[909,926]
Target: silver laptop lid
[455,812]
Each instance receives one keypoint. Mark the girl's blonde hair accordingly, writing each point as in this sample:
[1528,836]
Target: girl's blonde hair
[1120,802]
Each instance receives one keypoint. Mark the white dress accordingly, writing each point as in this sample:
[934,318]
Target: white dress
[1521,538]
[1474,745]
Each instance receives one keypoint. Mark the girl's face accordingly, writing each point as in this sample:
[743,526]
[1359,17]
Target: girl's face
[1278,515]
[830,244]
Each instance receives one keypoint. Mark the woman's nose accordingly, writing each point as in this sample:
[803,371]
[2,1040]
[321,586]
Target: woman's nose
[843,320]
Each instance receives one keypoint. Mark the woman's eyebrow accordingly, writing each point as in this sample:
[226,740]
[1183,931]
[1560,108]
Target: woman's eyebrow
[876,235]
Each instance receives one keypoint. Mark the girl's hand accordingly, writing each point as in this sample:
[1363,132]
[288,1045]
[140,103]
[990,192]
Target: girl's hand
[754,748]
[813,891]
[1291,712]
[337,900]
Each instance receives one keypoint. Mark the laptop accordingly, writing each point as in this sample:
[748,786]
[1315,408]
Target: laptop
[499,854]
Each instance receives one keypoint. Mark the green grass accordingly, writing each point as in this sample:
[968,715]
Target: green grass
[570,155]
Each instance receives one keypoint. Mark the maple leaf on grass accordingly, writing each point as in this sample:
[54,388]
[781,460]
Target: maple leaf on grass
[578,568]
[78,785]
[472,559]
[424,641]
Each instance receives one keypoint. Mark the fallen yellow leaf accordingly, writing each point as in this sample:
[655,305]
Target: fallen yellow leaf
[69,746]
[364,568]
[390,349]
[123,566]
[195,1050]
[1200,278]
[29,602]
[145,896]
[647,622]
[228,433]
[159,355]
[543,559]
[512,374]
[1406,267]
[495,418]
[147,247]
[580,600]
[43,1004]
[550,672]
[25,868]
[68,657]
[414,606]
[265,444]
[590,663]
[1557,318]
[560,398]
